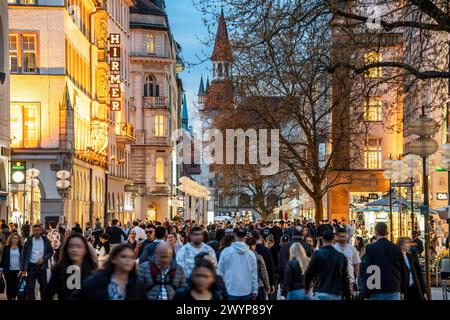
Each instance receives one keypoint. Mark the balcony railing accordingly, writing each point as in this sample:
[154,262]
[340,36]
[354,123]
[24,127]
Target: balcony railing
[124,130]
[155,102]
[159,141]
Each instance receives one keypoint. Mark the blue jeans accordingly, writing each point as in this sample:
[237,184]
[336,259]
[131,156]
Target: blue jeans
[385,296]
[247,297]
[328,296]
[298,294]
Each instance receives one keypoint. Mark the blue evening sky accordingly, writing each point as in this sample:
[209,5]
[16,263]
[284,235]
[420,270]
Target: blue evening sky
[189,31]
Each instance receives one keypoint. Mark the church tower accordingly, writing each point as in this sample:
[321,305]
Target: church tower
[201,93]
[220,92]
[184,115]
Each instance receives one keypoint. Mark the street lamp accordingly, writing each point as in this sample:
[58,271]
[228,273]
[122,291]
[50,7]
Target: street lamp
[412,170]
[62,185]
[388,173]
[424,146]
[32,182]
[445,151]
[399,178]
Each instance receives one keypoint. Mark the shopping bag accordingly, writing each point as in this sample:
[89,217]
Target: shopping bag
[22,289]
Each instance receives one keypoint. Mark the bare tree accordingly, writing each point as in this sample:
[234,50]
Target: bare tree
[292,78]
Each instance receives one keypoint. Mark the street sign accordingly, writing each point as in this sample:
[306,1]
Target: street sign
[131,188]
[402,184]
[18,172]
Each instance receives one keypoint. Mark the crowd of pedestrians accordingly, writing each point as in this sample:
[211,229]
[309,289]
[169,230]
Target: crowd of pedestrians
[185,260]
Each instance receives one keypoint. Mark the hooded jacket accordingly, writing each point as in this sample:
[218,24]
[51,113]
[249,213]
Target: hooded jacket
[239,269]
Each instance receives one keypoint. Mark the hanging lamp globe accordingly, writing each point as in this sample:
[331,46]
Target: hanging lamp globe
[423,146]
[423,126]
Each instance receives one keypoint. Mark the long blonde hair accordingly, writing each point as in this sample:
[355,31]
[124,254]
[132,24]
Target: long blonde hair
[297,252]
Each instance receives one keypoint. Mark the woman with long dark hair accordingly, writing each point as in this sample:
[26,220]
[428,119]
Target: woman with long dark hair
[202,284]
[360,246]
[76,258]
[10,264]
[117,280]
[226,241]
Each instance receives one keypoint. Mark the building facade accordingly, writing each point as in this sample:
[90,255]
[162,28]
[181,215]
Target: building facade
[4,110]
[155,109]
[120,204]
[59,106]
[218,93]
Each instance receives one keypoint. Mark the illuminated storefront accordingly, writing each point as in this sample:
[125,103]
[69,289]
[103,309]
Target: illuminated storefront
[59,107]
[4,114]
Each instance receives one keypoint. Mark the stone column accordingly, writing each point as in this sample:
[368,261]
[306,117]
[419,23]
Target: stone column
[138,98]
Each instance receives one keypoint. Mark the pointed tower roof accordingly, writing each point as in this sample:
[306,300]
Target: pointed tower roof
[201,89]
[222,47]
[184,114]
[207,83]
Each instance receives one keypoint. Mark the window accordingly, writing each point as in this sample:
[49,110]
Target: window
[23,53]
[372,110]
[372,154]
[150,43]
[159,170]
[22,1]
[29,53]
[373,57]
[13,53]
[151,88]
[159,126]
[25,126]
[79,14]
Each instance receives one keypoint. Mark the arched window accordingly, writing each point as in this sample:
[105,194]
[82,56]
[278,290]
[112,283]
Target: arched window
[219,70]
[150,43]
[151,88]
[159,169]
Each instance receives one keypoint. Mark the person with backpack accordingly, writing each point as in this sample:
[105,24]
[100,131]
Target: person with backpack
[393,270]
[161,275]
[328,268]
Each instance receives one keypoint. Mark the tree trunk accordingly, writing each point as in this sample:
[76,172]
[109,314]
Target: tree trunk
[319,208]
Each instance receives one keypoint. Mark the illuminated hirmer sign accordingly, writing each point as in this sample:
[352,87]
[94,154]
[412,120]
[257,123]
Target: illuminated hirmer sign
[115,96]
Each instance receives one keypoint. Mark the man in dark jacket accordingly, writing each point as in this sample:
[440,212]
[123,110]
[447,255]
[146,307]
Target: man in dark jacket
[115,233]
[262,250]
[149,238]
[37,250]
[25,229]
[329,269]
[149,249]
[417,244]
[384,274]
[323,227]
[284,251]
